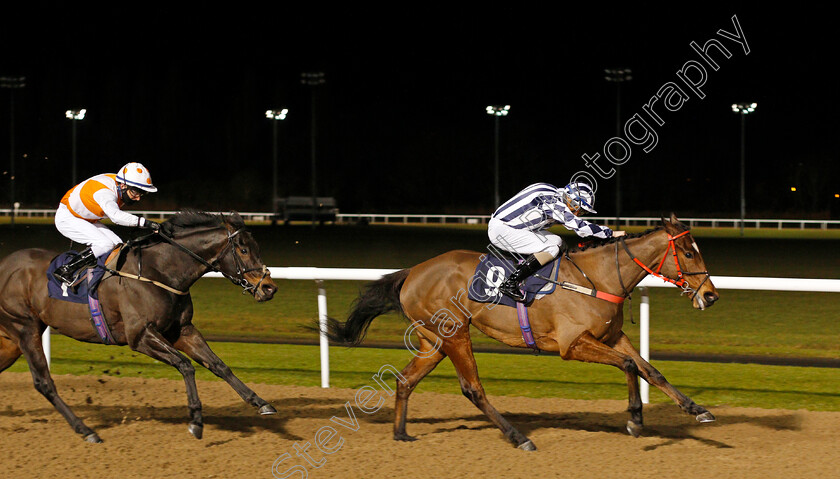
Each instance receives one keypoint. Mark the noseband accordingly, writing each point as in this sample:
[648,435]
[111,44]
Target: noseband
[241,271]
[680,282]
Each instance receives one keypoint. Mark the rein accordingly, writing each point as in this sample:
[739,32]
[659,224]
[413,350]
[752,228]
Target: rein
[240,266]
[680,282]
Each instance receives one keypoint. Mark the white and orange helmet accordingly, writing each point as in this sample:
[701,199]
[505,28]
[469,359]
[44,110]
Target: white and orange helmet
[136,175]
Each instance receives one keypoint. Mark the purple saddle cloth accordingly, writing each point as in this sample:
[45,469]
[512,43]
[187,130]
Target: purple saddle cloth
[83,289]
[493,270]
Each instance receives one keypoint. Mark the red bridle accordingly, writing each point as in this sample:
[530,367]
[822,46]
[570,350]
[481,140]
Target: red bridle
[680,281]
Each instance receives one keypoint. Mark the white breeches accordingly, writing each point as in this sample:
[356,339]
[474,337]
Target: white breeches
[522,241]
[96,235]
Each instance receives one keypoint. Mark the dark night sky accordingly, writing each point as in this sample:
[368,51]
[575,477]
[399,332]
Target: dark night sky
[401,122]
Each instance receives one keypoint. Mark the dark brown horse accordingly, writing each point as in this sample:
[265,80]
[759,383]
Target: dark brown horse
[151,319]
[433,296]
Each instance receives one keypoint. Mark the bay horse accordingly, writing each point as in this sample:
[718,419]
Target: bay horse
[432,296]
[153,319]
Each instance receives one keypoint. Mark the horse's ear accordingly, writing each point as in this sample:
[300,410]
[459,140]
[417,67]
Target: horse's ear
[234,219]
[674,219]
[167,228]
[670,224]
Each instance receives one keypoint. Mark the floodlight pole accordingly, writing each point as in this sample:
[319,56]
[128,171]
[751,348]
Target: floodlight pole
[73,176]
[496,162]
[74,116]
[743,109]
[743,174]
[313,80]
[274,172]
[618,76]
[276,116]
[12,83]
[498,111]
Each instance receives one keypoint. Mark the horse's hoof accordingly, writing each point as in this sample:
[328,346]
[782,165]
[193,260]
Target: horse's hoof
[268,410]
[404,437]
[93,438]
[527,446]
[706,417]
[634,429]
[196,430]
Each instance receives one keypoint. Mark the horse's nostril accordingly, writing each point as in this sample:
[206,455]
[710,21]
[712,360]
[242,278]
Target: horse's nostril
[269,289]
[710,297]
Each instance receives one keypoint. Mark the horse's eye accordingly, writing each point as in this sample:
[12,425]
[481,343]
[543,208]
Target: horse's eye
[243,250]
[688,255]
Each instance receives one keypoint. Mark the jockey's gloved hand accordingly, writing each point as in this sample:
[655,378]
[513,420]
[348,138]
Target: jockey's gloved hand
[155,227]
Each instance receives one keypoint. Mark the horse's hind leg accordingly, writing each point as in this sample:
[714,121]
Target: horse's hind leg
[587,348]
[194,345]
[459,350]
[421,364]
[30,345]
[151,343]
[652,376]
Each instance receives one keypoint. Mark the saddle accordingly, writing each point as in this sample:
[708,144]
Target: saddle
[495,267]
[85,289]
[86,284]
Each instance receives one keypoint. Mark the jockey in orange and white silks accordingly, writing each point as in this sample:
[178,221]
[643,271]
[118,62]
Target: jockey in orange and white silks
[520,225]
[82,208]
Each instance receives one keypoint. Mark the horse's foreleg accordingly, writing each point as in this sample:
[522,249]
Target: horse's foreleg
[32,349]
[587,348]
[151,343]
[654,377]
[459,350]
[421,364]
[193,344]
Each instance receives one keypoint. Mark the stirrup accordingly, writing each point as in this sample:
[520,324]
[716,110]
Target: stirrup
[69,281]
[70,273]
[61,274]
[514,292]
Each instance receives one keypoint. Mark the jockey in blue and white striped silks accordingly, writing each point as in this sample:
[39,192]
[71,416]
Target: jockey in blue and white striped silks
[520,225]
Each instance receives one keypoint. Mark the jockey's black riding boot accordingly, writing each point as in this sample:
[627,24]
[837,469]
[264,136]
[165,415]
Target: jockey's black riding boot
[67,273]
[511,286]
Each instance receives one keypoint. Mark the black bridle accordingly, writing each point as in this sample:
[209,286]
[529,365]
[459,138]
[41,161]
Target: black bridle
[241,270]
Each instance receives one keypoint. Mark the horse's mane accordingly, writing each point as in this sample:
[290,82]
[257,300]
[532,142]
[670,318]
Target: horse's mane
[597,243]
[187,219]
[193,218]
[184,221]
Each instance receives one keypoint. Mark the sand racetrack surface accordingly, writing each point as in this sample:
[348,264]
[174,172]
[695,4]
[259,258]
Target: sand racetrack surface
[144,425]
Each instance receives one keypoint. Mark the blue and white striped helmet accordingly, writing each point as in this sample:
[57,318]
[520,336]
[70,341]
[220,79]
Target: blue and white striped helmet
[580,195]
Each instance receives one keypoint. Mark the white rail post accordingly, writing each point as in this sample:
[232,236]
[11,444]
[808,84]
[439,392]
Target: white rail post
[644,339]
[325,344]
[45,343]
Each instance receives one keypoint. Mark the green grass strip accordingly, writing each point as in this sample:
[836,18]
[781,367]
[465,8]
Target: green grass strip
[789,324]
[709,384]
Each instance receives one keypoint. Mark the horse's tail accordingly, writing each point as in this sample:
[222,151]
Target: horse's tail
[379,297]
